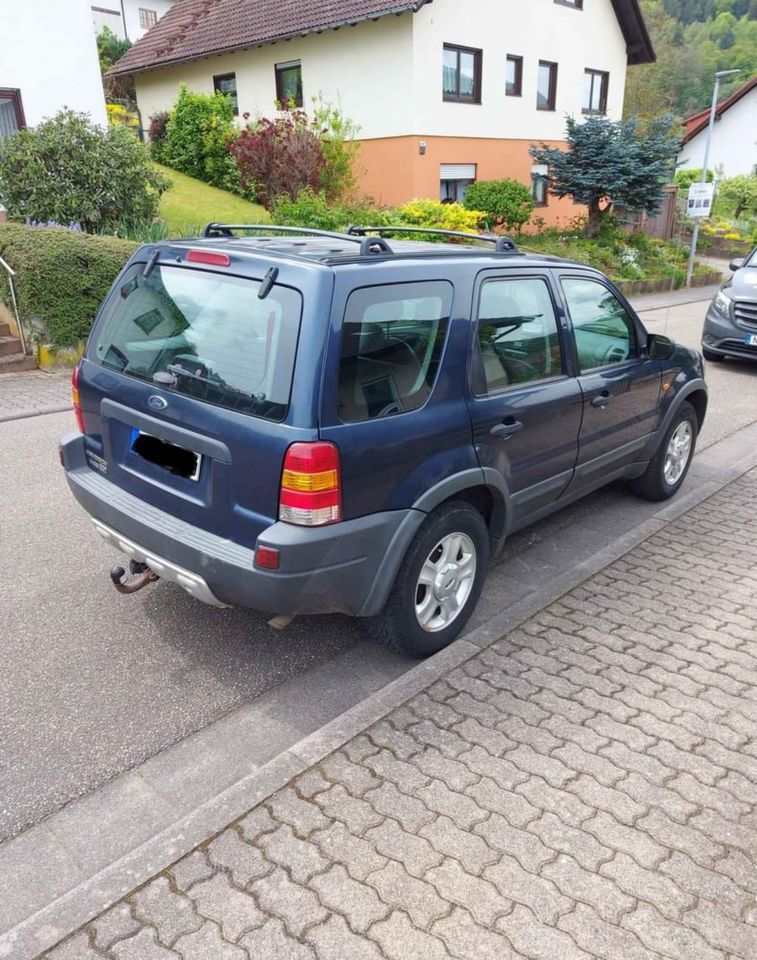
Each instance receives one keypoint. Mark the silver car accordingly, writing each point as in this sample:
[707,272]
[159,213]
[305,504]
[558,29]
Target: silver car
[730,327]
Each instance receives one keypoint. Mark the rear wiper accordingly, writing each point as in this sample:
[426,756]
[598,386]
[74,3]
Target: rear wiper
[176,371]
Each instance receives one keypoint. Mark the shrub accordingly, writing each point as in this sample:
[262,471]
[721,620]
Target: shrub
[309,209]
[505,203]
[198,134]
[337,135]
[313,210]
[62,277]
[444,216]
[69,170]
[279,157]
[157,134]
[683,179]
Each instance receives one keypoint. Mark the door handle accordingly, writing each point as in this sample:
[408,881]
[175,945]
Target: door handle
[506,429]
[601,400]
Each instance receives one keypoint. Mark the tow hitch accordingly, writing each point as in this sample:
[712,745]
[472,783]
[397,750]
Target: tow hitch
[141,573]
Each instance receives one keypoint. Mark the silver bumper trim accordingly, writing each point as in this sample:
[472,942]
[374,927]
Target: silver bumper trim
[165,569]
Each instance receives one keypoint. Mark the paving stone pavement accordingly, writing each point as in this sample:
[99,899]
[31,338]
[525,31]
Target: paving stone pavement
[585,787]
[34,392]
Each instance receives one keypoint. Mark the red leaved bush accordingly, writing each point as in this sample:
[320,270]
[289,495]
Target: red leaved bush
[277,157]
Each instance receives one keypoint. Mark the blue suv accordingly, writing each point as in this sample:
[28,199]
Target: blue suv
[302,422]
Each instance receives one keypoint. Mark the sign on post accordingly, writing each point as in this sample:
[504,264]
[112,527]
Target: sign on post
[700,200]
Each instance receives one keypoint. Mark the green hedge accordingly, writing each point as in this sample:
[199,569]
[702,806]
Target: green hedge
[62,277]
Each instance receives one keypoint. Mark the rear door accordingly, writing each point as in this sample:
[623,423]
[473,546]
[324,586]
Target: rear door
[394,386]
[193,385]
[619,382]
[525,404]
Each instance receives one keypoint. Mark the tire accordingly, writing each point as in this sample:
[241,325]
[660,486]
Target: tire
[712,357]
[657,484]
[458,528]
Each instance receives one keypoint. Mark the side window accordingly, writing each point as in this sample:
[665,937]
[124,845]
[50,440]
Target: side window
[392,342]
[518,338]
[605,333]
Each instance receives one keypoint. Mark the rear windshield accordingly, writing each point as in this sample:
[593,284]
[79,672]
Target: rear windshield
[204,335]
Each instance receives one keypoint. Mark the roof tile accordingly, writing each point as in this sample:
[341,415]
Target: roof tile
[198,28]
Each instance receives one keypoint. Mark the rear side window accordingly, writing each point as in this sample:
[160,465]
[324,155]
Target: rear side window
[392,342]
[204,335]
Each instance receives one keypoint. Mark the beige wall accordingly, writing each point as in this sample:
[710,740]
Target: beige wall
[367,69]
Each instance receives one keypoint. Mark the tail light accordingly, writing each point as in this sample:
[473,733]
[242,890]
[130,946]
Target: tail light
[311,489]
[75,399]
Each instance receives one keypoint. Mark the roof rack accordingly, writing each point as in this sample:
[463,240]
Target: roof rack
[368,245]
[501,244]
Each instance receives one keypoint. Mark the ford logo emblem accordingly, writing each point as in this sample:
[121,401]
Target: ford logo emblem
[156,402]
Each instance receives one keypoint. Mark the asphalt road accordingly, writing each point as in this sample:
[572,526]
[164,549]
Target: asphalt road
[93,683]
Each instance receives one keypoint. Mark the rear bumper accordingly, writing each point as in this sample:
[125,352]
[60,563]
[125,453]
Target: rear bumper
[348,567]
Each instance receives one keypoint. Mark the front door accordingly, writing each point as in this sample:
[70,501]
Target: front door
[525,407]
[619,382]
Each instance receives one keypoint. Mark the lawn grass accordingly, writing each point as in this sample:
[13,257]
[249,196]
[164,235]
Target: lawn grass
[189,204]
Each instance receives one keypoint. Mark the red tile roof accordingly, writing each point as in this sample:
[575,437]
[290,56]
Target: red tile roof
[198,28]
[193,29]
[697,122]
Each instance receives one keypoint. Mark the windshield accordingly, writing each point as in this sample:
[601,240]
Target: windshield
[205,335]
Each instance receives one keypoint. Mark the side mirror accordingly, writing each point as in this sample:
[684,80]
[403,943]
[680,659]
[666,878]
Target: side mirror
[660,347]
[735,265]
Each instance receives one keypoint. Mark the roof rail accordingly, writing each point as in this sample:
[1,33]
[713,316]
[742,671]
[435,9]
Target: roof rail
[368,245]
[501,244]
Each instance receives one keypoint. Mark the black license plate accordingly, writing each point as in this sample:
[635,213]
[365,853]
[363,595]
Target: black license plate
[177,460]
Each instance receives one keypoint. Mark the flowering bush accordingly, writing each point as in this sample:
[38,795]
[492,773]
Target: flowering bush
[279,157]
[119,116]
[443,216]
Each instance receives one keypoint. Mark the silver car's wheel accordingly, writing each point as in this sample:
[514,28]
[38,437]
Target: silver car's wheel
[445,582]
[678,454]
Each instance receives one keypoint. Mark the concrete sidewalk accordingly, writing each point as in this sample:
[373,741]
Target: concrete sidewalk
[583,787]
[34,393]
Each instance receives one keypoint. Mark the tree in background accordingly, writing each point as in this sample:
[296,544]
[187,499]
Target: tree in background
[693,39]
[611,164]
[110,49]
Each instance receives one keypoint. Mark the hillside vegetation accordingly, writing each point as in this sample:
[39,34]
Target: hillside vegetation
[693,39]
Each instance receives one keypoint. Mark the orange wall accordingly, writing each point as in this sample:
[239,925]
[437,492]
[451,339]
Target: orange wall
[394,170]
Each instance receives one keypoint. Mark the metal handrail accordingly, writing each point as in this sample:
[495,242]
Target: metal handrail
[11,274]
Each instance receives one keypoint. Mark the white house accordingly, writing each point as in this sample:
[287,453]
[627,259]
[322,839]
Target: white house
[444,92]
[128,19]
[48,60]
[734,137]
